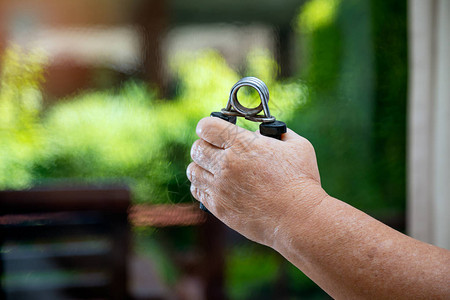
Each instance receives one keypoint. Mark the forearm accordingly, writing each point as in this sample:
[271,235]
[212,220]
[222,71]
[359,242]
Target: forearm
[270,192]
[351,255]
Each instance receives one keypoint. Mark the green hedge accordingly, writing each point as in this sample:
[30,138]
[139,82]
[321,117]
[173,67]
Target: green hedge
[126,134]
[354,60]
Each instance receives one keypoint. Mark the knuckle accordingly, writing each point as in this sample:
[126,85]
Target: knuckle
[309,146]
[304,144]
[190,171]
[196,193]
[196,175]
[193,191]
[195,149]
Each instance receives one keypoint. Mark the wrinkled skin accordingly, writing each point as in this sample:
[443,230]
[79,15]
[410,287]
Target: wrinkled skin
[250,181]
[269,191]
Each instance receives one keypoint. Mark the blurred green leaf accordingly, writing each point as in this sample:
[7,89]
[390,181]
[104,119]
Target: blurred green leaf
[129,134]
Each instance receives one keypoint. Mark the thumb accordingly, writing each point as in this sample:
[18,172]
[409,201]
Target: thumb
[220,133]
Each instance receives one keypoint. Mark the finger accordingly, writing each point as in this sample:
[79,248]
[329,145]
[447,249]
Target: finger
[206,155]
[220,133]
[201,195]
[199,176]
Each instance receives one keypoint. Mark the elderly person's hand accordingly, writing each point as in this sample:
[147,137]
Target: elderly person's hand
[250,181]
[269,190]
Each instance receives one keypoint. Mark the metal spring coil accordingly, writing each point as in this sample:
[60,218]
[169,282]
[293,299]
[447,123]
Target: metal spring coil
[234,108]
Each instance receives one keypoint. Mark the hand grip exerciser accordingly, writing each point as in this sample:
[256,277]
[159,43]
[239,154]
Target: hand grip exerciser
[268,127]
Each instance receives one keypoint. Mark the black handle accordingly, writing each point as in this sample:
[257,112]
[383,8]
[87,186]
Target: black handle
[218,114]
[273,129]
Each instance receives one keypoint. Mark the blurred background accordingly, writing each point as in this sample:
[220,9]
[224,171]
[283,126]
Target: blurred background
[98,106]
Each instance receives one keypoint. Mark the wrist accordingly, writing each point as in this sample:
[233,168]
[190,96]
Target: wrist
[303,203]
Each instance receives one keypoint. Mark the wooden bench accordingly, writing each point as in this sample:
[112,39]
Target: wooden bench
[64,244]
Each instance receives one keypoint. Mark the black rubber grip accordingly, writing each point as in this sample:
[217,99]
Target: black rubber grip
[273,129]
[218,114]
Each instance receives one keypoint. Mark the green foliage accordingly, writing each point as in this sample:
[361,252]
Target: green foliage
[129,134]
[390,35]
[317,14]
[249,270]
[256,272]
[148,245]
[352,108]
[356,114]
[106,135]
[20,107]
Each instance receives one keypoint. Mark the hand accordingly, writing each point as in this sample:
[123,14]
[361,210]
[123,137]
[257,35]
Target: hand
[269,191]
[254,184]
